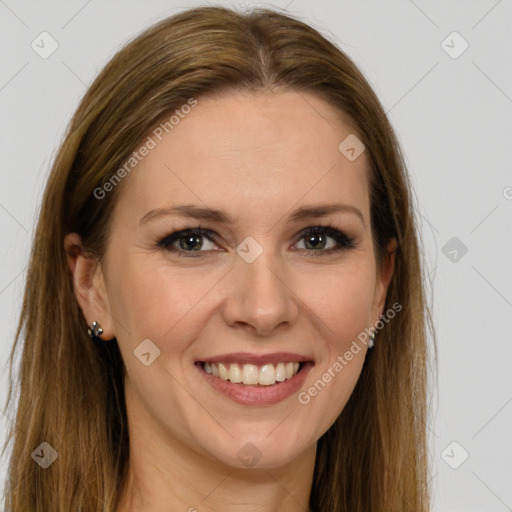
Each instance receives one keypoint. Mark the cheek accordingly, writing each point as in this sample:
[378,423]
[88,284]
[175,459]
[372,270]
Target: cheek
[341,304]
[341,298]
[159,302]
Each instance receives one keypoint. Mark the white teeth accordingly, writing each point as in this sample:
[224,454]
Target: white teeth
[267,375]
[235,374]
[251,374]
[280,372]
[223,372]
[289,370]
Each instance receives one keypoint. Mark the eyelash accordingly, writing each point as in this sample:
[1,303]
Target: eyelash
[344,242]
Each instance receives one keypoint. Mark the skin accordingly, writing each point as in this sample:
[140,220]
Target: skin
[256,156]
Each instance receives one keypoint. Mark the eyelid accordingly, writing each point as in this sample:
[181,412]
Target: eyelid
[329,230]
[168,239]
[343,240]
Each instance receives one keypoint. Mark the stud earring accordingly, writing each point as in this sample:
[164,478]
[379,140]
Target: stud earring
[371,343]
[95,330]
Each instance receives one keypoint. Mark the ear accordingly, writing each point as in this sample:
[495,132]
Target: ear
[89,285]
[383,280]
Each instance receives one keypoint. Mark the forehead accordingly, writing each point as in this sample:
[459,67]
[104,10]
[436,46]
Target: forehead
[241,150]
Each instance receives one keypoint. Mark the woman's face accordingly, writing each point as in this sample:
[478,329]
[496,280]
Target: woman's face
[250,293]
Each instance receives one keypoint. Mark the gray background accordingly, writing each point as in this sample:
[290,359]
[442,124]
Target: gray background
[453,117]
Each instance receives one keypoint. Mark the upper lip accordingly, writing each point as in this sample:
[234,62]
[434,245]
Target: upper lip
[257,359]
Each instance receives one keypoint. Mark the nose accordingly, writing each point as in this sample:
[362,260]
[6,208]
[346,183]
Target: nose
[260,297]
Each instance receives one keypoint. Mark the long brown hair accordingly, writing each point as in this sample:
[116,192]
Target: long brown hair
[71,392]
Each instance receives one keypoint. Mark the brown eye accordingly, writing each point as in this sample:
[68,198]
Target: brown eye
[316,240]
[188,241]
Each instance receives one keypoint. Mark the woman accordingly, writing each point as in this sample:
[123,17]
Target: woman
[224,307]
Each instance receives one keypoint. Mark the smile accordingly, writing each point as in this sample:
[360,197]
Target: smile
[250,374]
[256,380]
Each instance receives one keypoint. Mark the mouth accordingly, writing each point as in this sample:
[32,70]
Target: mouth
[266,374]
[256,380]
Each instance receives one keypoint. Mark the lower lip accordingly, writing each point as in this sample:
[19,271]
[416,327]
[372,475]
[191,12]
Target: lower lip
[258,394]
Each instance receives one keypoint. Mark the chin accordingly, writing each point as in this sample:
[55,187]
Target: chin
[259,450]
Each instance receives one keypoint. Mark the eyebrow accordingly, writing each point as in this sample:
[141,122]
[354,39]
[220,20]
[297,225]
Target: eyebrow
[212,214]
